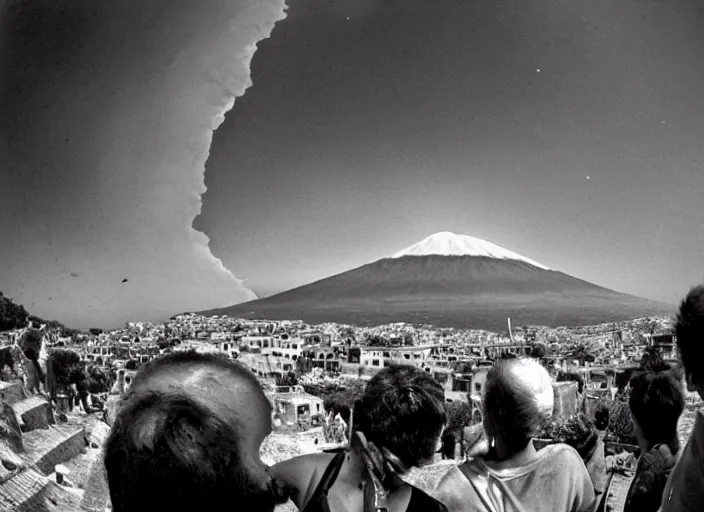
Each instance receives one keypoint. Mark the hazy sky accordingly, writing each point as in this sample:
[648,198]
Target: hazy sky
[567,131]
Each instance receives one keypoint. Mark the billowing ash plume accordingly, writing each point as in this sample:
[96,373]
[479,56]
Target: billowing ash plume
[106,117]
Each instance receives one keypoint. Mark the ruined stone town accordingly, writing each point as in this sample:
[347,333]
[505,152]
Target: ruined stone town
[53,462]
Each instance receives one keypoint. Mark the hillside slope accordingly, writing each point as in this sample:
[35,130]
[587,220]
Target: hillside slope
[453,291]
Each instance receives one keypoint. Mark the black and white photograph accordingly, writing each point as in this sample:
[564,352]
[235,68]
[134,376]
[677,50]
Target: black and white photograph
[351,255]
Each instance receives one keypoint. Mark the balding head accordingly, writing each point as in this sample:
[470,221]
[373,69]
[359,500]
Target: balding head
[518,397]
[227,388]
[188,436]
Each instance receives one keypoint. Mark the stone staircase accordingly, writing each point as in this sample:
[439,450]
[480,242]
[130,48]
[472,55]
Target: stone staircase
[46,444]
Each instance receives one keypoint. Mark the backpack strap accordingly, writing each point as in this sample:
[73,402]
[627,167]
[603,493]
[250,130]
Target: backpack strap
[601,506]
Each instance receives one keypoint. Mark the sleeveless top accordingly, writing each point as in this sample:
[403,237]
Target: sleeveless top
[419,502]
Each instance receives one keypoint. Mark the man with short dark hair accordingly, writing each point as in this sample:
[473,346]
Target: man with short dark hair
[685,487]
[187,437]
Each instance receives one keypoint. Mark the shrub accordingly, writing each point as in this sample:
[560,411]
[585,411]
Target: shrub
[337,397]
[459,415]
[577,431]
[538,351]
[652,361]
[620,423]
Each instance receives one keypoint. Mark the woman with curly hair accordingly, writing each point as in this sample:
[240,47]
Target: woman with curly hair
[397,425]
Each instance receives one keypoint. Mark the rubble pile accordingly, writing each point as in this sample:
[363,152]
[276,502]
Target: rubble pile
[32,445]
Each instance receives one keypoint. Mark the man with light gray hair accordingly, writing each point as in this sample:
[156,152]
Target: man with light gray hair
[518,398]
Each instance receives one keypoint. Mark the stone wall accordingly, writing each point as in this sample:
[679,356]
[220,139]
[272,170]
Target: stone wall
[11,446]
[592,399]
[566,399]
[357,370]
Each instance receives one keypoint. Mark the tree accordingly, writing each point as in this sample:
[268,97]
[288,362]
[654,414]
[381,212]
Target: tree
[652,360]
[12,316]
[98,380]
[72,333]
[348,335]
[620,423]
[583,353]
[530,335]
[462,367]
[538,351]
[375,340]
[95,331]
[337,398]
[459,416]
[131,365]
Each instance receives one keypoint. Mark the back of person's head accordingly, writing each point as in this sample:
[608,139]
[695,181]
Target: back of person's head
[171,450]
[518,398]
[402,409]
[689,328]
[656,403]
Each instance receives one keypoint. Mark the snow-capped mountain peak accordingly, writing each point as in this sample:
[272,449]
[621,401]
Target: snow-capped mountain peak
[446,243]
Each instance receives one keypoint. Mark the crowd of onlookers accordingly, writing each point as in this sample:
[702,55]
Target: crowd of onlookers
[189,430]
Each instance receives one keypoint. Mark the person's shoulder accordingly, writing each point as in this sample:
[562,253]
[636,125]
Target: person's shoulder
[301,474]
[453,488]
[302,466]
[453,476]
[561,451]
[561,456]
[424,502]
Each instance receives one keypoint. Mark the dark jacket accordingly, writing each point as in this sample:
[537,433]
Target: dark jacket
[652,471]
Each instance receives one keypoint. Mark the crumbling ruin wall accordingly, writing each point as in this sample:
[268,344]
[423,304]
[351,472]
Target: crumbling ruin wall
[566,399]
[593,398]
[11,446]
[15,366]
[358,370]
[32,342]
